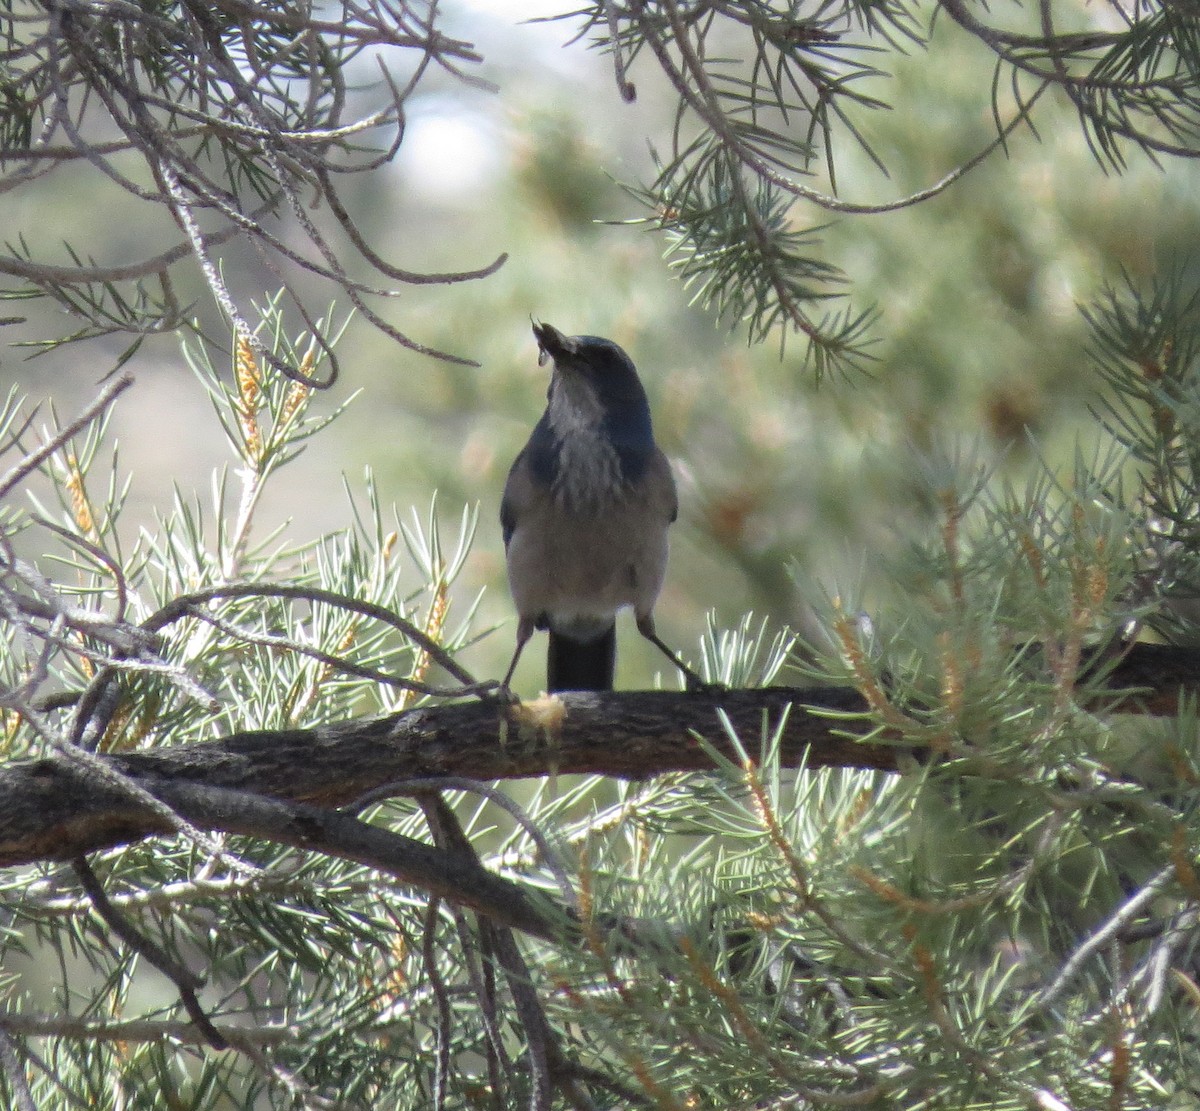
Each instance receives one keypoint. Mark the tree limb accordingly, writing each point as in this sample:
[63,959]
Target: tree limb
[51,810]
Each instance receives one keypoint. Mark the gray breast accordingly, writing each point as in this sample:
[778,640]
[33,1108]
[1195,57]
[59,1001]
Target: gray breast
[588,476]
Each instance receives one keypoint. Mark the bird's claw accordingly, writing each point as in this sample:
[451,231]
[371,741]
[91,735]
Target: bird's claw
[505,695]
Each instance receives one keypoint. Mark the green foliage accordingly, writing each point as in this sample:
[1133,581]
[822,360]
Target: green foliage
[773,98]
[223,118]
[1146,350]
[282,938]
[1009,923]
[745,260]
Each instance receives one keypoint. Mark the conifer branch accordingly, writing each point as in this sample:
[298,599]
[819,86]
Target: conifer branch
[51,809]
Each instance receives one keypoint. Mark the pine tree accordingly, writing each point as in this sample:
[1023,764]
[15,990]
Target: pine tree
[266,841]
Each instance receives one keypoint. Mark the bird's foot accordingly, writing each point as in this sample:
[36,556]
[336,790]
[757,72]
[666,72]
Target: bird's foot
[693,684]
[505,695]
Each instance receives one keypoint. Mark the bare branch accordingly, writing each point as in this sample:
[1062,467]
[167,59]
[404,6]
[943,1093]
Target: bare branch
[235,110]
[55,809]
[138,1030]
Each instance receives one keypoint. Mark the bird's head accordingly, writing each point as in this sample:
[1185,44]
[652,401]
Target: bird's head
[589,365]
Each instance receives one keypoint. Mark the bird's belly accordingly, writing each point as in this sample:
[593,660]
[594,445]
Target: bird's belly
[578,571]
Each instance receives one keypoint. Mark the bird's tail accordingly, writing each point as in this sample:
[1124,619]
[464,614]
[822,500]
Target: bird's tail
[573,665]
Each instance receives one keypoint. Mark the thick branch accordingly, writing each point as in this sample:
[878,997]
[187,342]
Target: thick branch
[50,811]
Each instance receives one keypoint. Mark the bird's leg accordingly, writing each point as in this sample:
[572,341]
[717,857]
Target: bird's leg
[524,632]
[645,626]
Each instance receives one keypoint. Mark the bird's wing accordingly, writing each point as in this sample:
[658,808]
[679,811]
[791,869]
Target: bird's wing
[659,486]
[519,492]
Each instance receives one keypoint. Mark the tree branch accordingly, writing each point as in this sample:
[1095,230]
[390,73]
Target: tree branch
[272,783]
[35,1025]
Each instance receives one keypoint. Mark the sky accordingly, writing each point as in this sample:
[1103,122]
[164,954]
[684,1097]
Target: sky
[458,138]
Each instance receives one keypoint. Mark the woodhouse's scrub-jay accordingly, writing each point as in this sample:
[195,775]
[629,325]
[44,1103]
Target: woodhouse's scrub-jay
[585,514]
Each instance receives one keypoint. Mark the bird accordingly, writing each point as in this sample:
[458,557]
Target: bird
[585,514]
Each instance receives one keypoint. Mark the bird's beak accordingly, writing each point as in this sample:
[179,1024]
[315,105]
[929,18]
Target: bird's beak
[552,344]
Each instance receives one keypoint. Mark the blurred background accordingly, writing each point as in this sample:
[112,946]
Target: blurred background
[786,486]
